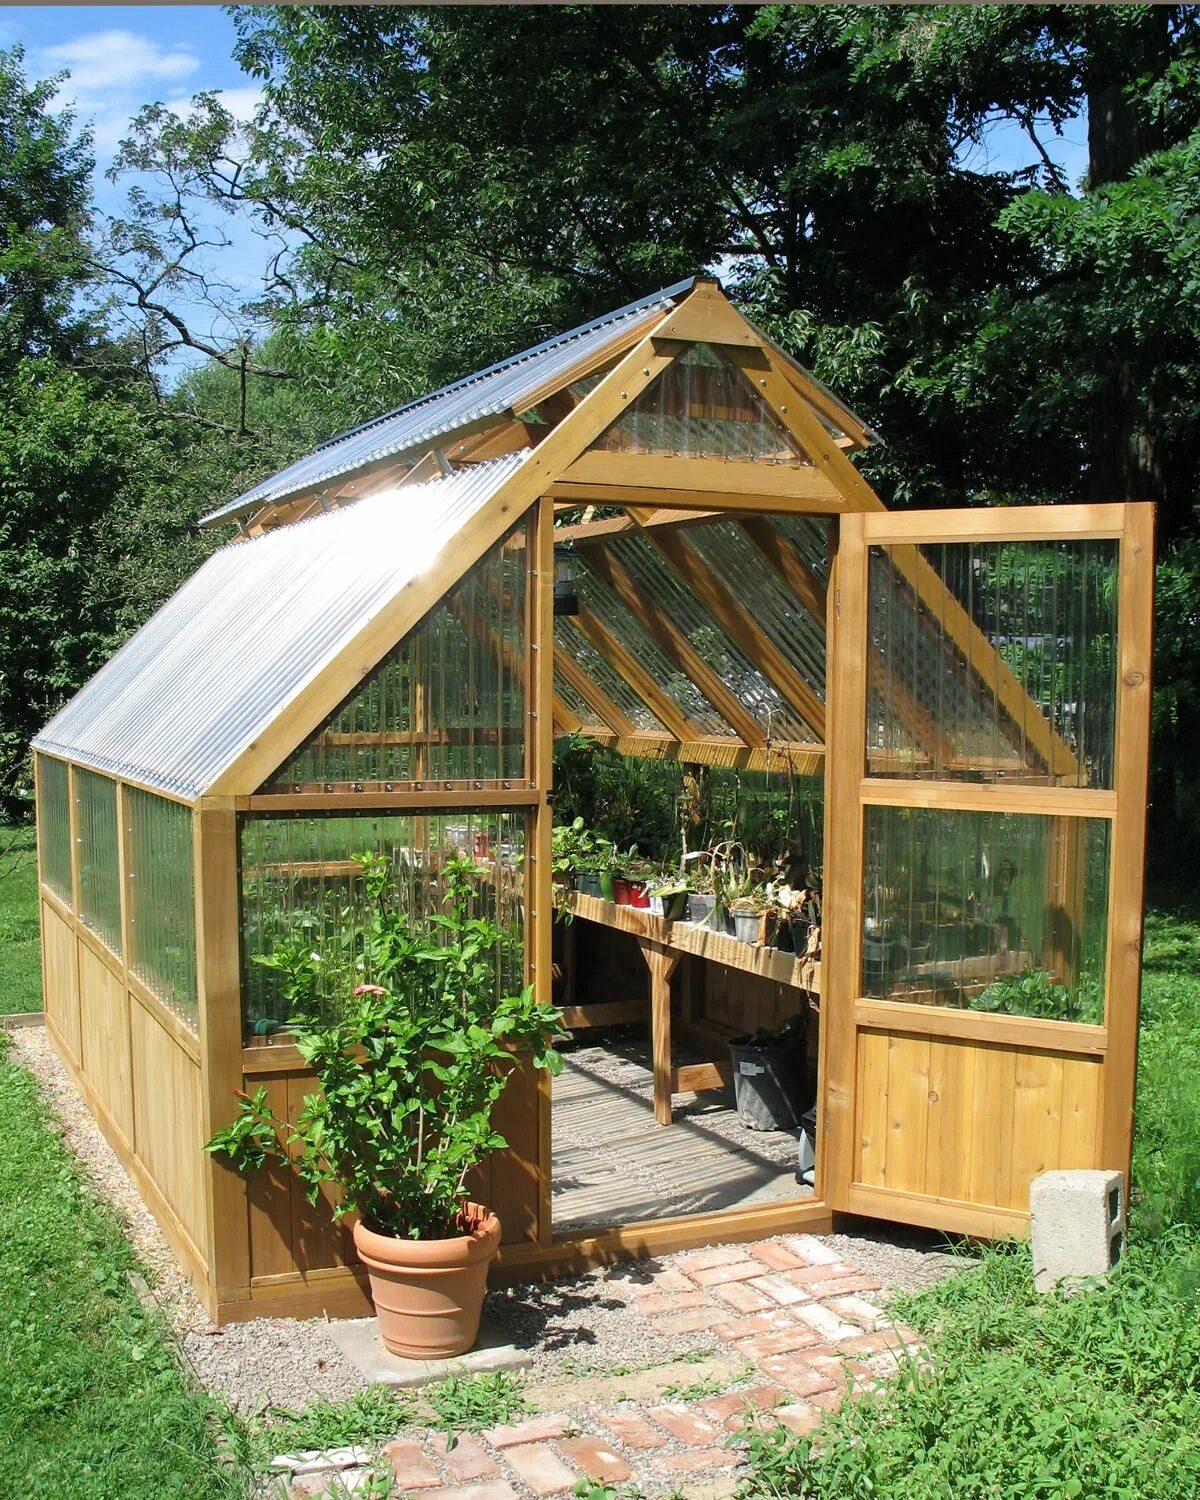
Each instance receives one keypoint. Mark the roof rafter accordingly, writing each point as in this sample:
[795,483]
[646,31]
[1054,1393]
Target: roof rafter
[655,620]
[741,627]
[592,693]
[664,708]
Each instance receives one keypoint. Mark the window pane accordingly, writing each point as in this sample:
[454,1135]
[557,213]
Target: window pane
[1028,695]
[99,872]
[162,905]
[1003,912]
[700,407]
[448,704]
[301,886]
[54,826]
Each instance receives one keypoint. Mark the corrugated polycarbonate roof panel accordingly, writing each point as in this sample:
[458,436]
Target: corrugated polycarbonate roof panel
[742,676]
[507,386]
[640,644]
[207,674]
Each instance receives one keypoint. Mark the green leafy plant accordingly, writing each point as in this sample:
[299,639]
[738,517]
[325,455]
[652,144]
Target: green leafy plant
[473,1402]
[410,1068]
[1035,992]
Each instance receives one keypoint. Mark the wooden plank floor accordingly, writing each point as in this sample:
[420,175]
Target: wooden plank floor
[614,1165]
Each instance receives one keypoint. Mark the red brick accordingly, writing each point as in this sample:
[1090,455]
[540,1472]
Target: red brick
[858,1310]
[775,1256]
[538,1466]
[780,1287]
[666,1280]
[497,1489]
[731,1410]
[826,1322]
[466,1458]
[412,1470]
[842,1286]
[698,1458]
[691,1322]
[743,1298]
[797,1416]
[668,1302]
[812,1252]
[764,1322]
[686,1425]
[805,1275]
[739,1270]
[794,1372]
[701,1260]
[870,1343]
[783,1342]
[632,1430]
[595,1459]
[824,1400]
[535,1430]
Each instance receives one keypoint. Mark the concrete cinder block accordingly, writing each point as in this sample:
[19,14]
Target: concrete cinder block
[1077,1227]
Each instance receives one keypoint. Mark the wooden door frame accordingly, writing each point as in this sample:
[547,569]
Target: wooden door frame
[848,791]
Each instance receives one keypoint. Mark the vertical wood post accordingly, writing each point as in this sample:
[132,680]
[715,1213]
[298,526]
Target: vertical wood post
[539,898]
[662,963]
[841,932]
[1135,651]
[73,820]
[218,979]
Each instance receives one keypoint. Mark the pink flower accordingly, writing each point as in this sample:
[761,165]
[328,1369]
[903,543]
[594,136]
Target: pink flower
[370,989]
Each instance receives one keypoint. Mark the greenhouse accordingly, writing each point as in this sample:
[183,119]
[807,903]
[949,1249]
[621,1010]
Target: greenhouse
[737,759]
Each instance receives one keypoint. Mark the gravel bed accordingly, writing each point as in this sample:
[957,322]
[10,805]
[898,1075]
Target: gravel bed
[900,1259]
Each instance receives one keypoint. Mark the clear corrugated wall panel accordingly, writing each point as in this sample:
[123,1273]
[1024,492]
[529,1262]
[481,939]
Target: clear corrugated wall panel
[54,825]
[447,704]
[568,639]
[1028,695]
[301,886]
[997,912]
[162,900]
[700,407]
[99,871]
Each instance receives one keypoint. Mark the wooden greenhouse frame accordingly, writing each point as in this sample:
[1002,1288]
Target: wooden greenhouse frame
[927,1114]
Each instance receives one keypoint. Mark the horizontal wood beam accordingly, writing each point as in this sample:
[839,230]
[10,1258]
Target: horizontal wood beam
[605,1013]
[795,485]
[590,533]
[714,750]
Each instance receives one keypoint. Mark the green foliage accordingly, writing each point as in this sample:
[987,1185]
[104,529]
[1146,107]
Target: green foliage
[20,941]
[1035,992]
[410,1065]
[473,1402]
[372,1415]
[92,1404]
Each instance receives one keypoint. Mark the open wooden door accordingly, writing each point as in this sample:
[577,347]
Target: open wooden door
[988,744]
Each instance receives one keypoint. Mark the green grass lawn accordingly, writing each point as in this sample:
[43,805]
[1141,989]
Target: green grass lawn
[92,1406]
[20,949]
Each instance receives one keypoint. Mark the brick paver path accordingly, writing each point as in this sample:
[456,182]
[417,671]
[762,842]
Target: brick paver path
[798,1325]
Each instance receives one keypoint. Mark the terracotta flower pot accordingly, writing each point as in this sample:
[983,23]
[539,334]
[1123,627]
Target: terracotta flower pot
[428,1294]
[620,890]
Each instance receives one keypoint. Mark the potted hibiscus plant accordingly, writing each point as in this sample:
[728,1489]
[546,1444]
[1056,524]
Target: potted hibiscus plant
[411,1060]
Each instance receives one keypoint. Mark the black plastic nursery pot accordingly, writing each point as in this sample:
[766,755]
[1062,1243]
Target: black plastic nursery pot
[769,1086]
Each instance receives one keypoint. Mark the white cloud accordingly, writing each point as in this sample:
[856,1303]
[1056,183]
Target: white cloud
[114,59]
[241,103]
[112,74]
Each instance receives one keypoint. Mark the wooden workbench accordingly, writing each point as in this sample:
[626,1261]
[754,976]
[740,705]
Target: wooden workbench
[662,945]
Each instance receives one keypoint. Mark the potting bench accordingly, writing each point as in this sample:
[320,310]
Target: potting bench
[663,944]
